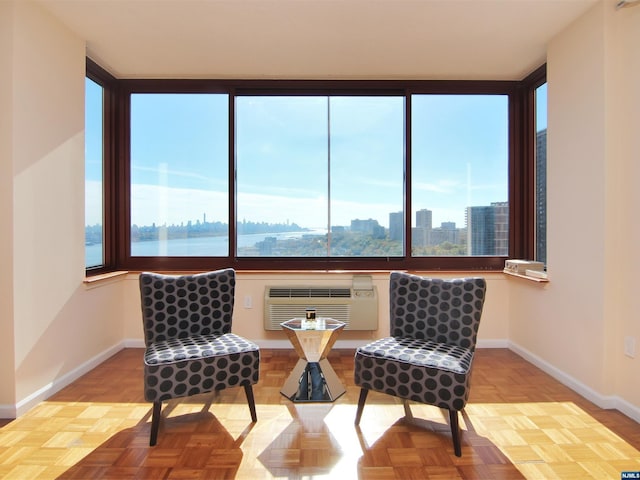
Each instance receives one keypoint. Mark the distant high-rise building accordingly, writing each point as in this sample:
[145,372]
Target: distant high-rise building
[448,225]
[488,229]
[424,218]
[480,230]
[419,237]
[421,233]
[501,225]
[267,246]
[369,227]
[541,196]
[447,232]
[396,226]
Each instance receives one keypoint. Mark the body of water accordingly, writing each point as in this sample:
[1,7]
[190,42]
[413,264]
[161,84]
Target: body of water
[192,247]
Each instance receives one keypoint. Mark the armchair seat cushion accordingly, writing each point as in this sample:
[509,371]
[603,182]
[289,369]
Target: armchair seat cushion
[187,366]
[417,370]
[423,353]
[196,346]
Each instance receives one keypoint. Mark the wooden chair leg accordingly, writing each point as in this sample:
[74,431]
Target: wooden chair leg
[407,410]
[248,390]
[361,400]
[455,432]
[155,423]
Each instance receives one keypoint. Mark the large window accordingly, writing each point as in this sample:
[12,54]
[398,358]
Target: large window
[319,176]
[94,149]
[179,175]
[315,175]
[460,165]
[101,171]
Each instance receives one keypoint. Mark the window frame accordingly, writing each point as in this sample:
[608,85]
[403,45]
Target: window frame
[521,188]
[535,80]
[108,83]
[527,152]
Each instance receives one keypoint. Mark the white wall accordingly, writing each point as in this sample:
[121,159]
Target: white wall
[249,322]
[57,324]
[53,327]
[623,199]
[564,324]
[575,325]
[7,376]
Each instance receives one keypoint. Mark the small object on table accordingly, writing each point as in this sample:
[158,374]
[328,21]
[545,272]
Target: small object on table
[310,323]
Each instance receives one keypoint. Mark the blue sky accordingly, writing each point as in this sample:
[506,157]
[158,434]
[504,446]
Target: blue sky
[541,110]
[283,152]
[93,153]
[460,153]
[179,159]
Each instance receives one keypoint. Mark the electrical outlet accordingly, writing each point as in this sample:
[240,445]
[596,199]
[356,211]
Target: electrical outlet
[630,347]
[248,301]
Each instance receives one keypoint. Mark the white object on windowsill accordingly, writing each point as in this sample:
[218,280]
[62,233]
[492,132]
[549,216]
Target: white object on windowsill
[536,274]
[540,279]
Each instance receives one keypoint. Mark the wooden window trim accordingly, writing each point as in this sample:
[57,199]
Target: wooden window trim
[117,170]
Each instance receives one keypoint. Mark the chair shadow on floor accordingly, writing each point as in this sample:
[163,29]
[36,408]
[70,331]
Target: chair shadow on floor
[193,445]
[415,447]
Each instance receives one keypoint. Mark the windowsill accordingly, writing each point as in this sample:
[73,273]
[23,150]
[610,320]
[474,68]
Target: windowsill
[433,272]
[526,277]
[104,279]
[108,278]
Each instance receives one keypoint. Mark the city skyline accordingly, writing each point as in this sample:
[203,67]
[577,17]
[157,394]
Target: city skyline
[348,225]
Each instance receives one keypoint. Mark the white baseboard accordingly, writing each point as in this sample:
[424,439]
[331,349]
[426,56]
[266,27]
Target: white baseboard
[603,401]
[275,344]
[24,405]
[353,344]
[133,343]
[493,343]
[628,409]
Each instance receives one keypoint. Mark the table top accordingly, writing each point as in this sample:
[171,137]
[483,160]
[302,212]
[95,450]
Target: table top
[320,323]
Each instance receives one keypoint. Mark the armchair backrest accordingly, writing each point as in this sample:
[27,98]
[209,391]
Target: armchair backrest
[445,311]
[177,306]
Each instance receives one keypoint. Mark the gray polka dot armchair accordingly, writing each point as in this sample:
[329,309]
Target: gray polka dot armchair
[189,345]
[428,357]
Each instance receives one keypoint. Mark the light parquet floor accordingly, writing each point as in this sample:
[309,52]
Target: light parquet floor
[519,423]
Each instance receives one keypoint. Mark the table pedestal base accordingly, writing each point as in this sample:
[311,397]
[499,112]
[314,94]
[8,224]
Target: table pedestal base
[312,382]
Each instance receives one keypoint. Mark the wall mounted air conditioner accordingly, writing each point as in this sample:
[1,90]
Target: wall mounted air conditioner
[357,306]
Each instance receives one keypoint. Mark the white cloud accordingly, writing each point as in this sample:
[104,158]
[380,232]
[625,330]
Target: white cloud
[172,172]
[441,186]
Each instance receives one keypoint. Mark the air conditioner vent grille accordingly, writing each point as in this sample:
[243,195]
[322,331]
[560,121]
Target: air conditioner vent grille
[357,306]
[275,292]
